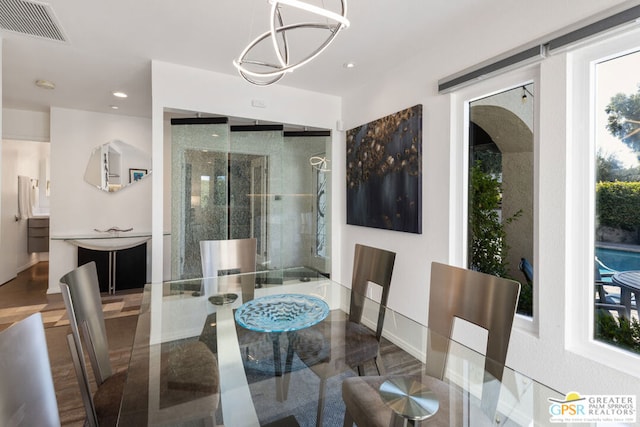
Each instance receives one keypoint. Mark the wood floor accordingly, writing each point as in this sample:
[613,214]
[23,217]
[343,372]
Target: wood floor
[26,294]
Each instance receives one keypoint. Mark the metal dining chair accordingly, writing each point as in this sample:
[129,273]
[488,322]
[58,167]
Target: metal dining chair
[191,367]
[81,294]
[484,300]
[334,346]
[27,395]
[222,257]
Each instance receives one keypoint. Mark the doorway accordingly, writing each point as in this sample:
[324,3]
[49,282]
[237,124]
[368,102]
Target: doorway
[29,159]
[225,198]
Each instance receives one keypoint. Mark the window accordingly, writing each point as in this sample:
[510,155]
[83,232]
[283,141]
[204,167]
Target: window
[600,165]
[617,199]
[500,193]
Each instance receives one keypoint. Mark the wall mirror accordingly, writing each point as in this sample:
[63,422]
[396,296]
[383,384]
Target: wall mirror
[234,178]
[115,165]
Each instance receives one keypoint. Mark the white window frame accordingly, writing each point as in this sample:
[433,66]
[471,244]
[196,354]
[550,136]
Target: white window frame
[581,198]
[460,170]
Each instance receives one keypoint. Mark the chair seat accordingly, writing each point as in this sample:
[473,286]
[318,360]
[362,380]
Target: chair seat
[313,345]
[367,408]
[192,367]
[108,397]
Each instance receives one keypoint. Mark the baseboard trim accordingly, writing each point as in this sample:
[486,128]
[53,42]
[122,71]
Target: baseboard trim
[28,265]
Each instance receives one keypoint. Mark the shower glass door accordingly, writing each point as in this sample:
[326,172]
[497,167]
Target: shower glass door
[239,182]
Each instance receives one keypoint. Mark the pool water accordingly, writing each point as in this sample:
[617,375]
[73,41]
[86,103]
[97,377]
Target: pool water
[617,259]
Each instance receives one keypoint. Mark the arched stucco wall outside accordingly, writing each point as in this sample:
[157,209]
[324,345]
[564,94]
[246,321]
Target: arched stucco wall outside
[514,138]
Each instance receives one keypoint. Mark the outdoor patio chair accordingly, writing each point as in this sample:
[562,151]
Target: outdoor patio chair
[606,300]
[527,270]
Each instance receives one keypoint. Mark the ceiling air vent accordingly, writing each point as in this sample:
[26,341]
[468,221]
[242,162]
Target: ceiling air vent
[30,18]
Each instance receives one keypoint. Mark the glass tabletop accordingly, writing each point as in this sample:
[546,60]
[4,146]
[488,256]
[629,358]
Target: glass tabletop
[275,377]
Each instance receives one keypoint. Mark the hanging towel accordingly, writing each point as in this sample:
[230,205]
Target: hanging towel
[25,201]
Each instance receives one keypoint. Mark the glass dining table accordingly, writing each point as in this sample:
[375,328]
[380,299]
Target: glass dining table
[248,325]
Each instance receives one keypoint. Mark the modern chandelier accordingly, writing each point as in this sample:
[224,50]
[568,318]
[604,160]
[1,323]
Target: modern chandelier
[320,163]
[263,72]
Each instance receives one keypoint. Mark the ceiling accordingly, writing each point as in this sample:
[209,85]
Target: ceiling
[110,44]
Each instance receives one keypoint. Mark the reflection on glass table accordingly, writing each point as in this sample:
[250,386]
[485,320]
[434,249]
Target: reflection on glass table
[175,313]
[275,314]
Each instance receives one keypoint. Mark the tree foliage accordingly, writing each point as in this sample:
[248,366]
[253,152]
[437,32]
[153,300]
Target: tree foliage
[623,119]
[607,167]
[620,332]
[487,237]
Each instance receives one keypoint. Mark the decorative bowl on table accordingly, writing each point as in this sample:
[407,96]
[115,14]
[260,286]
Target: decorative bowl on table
[281,313]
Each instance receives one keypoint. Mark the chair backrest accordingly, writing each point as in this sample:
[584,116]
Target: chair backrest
[81,294]
[223,255]
[230,256]
[482,299]
[27,396]
[604,271]
[527,269]
[370,265]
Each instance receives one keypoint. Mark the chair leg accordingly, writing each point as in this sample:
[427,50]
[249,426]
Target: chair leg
[348,419]
[85,389]
[287,370]
[320,414]
[379,365]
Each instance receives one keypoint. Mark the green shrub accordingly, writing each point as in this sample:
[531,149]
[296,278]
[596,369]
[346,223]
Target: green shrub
[487,239]
[525,300]
[621,332]
[618,204]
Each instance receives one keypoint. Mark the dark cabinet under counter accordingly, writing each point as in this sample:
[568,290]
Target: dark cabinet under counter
[122,268]
[37,235]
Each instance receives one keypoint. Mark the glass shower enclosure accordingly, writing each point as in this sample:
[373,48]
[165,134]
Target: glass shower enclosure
[249,181]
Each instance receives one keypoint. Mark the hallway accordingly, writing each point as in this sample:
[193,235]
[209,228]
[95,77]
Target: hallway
[26,294]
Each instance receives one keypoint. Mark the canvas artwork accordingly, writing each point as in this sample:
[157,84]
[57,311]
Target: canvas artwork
[384,172]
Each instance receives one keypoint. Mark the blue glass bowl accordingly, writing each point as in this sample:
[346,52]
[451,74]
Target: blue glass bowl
[281,313]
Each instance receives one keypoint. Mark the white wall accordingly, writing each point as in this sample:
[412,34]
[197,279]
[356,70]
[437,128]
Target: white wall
[415,82]
[190,89]
[7,265]
[21,158]
[77,207]
[25,125]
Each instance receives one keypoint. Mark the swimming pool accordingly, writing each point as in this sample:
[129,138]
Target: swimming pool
[619,259]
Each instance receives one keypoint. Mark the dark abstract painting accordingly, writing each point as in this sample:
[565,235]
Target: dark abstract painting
[384,172]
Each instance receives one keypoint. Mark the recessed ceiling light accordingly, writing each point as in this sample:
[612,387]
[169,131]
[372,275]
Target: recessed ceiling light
[349,65]
[45,84]
[120,94]
[114,107]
